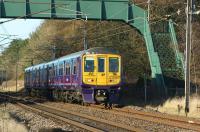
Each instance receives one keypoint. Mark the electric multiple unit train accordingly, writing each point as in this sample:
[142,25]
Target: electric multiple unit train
[86,76]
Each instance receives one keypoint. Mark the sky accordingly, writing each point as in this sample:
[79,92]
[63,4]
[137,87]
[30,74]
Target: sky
[20,28]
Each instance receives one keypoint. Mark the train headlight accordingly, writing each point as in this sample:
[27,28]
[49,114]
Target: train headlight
[98,93]
[90,80]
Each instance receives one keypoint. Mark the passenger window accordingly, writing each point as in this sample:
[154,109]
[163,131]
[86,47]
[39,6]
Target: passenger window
[50,72]
[53,71]
[61,69]
[67,69]
[55,68]
[101,64]
[89,64]
[74,67]
[74,71]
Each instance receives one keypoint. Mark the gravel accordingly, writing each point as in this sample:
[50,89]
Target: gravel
[105,114]
[100,113]
[37,123]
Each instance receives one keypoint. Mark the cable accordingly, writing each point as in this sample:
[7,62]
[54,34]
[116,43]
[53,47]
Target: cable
[8,35]
[105,31]
[65,9]
[93,27]
[115,28]
[5,43]
[118,33]
[161,19]
[23,17]
[158,17]
[4,39]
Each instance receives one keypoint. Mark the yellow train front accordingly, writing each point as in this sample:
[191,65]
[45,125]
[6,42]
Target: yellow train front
[101,75]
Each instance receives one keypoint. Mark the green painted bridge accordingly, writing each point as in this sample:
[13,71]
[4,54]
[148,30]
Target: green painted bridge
[160,45]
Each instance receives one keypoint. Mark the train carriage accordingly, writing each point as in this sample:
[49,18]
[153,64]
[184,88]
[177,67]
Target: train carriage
[87,76]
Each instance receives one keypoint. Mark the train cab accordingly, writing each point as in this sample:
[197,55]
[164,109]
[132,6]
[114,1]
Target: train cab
[101,69]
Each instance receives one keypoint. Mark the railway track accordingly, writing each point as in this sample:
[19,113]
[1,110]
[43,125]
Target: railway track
[82,121]
[169,120]
[175,121]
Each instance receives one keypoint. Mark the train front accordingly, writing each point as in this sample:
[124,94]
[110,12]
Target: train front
[101,76]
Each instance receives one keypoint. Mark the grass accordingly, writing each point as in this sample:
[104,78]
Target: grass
[11,86]
[176,106]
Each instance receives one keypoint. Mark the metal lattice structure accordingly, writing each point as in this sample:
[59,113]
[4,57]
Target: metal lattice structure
[171,59]
[119,10]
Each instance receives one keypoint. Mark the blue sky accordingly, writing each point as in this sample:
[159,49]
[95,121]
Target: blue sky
[21,28]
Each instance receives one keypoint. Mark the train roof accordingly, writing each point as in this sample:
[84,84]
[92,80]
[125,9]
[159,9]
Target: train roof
[68,57]
[101,50]
[35,66]
[96,50]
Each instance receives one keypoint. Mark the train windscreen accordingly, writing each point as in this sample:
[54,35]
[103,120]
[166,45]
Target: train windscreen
[89,64]
[101,64]
[113,64]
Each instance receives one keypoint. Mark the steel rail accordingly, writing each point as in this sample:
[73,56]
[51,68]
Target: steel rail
[51,115]
[102,124]
[175,121]
[68,121]
[93,122]
[170,120]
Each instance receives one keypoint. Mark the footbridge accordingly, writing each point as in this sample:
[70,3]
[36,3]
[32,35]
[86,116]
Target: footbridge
[165,60]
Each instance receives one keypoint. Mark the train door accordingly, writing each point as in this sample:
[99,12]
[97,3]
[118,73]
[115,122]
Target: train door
[101,70]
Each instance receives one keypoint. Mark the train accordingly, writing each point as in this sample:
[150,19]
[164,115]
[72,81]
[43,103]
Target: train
[87,76]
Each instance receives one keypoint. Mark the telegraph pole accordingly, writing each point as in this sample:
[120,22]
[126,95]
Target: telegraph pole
[188,54]
[6,78]
[17,68]
[84,39]
[1,76]
[16,75]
